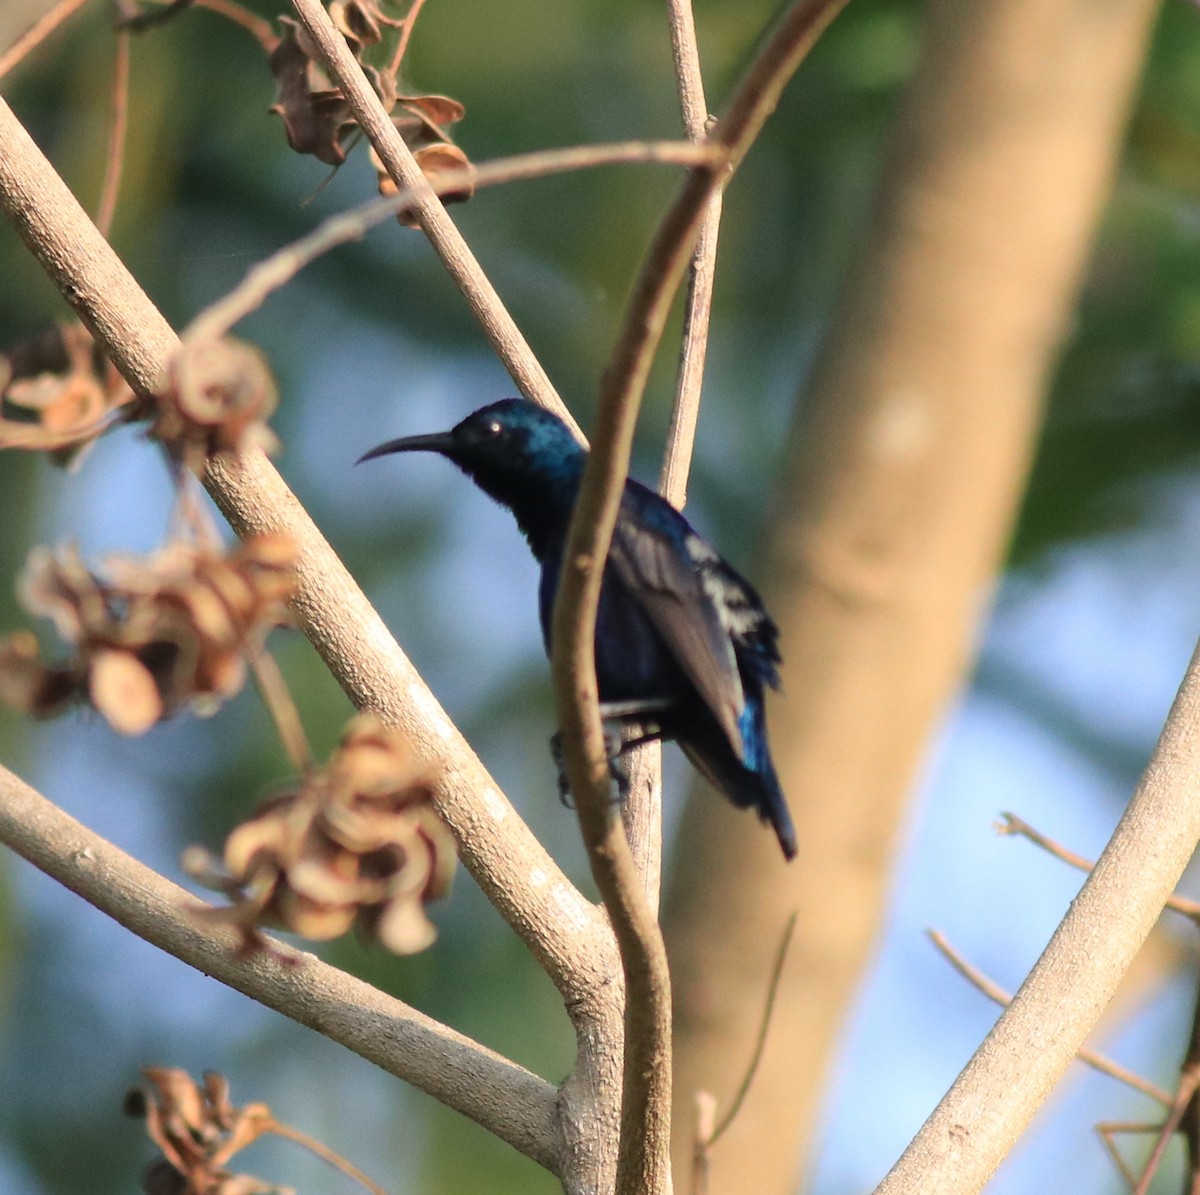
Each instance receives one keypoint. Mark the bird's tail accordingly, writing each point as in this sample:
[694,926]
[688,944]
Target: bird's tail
[749,788]
[772,808]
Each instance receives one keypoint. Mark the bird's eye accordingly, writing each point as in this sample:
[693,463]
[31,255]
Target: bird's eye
[492,429]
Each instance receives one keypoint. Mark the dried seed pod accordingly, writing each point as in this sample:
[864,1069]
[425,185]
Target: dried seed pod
[151,636]
[356,843]
[198,1131]
[217,397]
[58,392]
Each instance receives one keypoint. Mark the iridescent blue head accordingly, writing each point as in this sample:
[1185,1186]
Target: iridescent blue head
[520,454]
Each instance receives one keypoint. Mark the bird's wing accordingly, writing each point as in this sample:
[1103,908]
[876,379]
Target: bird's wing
[679,581]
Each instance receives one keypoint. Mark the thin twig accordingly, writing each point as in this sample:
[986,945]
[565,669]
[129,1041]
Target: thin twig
[1105,1130]
[646,1091]
[1014,825]
[485,303]
[708,1133]
[706,1115]
[685,411]
[1188,1082]
[114,163]
[282,266]
[406,28]
[1092,1058]
[764,1026]
[139,22]
[37,33]
[240,15]
[278,699]
[322,1151]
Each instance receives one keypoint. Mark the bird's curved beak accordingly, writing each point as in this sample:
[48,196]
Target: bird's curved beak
[442,442]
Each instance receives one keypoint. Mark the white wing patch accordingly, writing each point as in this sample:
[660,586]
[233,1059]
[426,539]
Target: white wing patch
[738,617]
[699,551]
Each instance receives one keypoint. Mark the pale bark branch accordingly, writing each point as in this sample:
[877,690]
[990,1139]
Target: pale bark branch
[502,332]
[681,435]
[504,1098]
[641,813]
[643,1164]
[564,932]
[37,33]
[1041,1031]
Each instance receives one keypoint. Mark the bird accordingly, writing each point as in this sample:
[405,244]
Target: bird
[684,647]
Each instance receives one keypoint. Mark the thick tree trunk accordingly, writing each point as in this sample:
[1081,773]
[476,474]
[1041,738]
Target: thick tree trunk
[906,473]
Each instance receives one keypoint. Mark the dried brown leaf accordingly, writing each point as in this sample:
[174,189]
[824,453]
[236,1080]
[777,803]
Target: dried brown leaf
[316,116]
[359,22]
[122,688]
[58,392]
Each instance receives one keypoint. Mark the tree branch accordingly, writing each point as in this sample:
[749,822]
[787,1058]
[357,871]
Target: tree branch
[643,1164]
[677,459]
[502,333]
[504,1098]
[564,932]
[276,271]
[1041,1031]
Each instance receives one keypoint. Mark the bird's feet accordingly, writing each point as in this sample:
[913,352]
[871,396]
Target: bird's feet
[613,746]
[626,724]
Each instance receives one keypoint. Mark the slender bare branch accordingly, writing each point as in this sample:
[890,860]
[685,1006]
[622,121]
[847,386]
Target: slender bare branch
[641,813]
[140,21]
[677,459]
[406,27]
[281,267]
[240,15]
[37,33]
[1092,1058]
[643,1164]
[760,1041]
[118,126]
[502,332]
[563,931]
[1106,1129]
[1188,1082]
[1036,1037]
[277,697]
[322,1151]
[505,1098]
[1017,826]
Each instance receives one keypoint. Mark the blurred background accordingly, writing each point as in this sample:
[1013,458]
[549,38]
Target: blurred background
[1092,625]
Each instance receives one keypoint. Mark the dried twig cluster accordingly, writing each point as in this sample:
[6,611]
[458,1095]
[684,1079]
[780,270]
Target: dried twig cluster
[199,1131]
[149,637]
[58,392]
[356,843]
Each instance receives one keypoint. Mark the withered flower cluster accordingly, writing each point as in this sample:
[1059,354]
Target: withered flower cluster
[198,1131]
[58,392]
[217,397]
[358,842]
[318,119]
[152,635]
